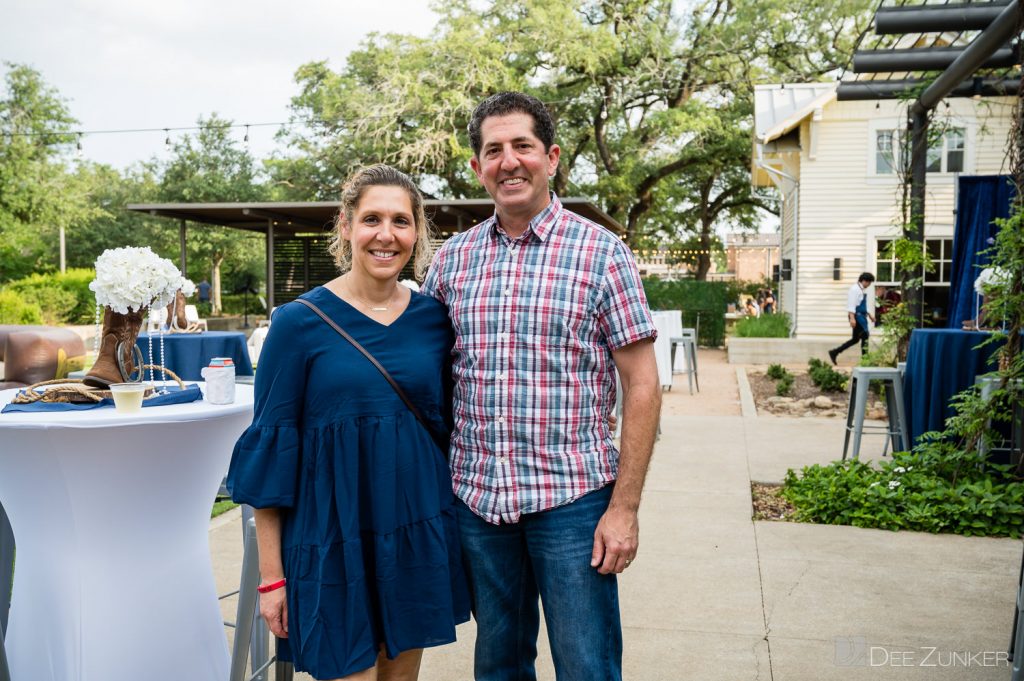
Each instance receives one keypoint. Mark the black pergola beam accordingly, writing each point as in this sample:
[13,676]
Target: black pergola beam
[1002,28]
[897,89]
[927,59]
[968,16]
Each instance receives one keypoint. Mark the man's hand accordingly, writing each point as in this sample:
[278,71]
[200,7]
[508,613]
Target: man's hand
[274,609]
[616,540]
[853,322]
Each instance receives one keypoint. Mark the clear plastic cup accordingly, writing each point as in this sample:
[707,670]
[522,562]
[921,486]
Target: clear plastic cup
[128,396]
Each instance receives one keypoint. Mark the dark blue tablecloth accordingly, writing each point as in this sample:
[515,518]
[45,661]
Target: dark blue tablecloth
[187,353]
[941,363]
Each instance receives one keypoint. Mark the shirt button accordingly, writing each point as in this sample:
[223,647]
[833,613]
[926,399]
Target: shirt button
[501,376]
[501,419]
[503,458]
[508,292]
[503,336]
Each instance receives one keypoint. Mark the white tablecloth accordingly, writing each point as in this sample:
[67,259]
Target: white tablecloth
[111,512]
[670,325]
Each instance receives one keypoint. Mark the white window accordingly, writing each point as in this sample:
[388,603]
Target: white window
[945,154]
[886,263]
[885,146]
[940,251]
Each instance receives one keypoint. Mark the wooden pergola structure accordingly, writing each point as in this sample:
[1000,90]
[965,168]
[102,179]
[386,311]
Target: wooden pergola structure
[297,233]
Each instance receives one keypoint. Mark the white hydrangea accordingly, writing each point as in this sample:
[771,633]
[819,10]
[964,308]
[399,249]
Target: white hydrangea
[131,278]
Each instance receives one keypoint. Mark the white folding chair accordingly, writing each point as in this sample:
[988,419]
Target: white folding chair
[192,317]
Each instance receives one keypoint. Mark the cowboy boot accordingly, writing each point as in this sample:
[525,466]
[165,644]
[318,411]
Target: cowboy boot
[176,312]
[119,330]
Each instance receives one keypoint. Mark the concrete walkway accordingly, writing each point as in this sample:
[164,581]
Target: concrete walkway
[716,596]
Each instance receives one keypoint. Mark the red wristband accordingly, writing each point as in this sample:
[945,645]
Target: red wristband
[267,588]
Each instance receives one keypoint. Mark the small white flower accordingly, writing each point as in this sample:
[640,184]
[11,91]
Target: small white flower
[910,468]
[874,484]
[893,484]
[899,469]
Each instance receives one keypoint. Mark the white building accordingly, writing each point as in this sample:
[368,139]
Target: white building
[833,165]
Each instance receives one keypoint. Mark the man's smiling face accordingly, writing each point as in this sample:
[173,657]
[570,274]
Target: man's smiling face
[514,167]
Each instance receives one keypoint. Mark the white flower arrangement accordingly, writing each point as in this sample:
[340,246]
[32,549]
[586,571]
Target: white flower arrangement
[991,277]
[131,278]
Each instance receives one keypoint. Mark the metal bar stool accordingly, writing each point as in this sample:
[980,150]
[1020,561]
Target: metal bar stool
[689,342]
[896,429]
[250,630]
[988,384]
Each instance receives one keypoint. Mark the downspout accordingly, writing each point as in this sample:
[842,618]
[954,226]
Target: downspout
[776,173]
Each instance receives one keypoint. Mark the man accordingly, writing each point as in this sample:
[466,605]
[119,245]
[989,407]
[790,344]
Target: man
[858,315]
[204,291]
[546,306]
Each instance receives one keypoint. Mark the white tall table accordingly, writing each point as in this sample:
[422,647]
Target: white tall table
[111,513]
[669,324]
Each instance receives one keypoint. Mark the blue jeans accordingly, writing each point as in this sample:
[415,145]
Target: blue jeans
[545,554]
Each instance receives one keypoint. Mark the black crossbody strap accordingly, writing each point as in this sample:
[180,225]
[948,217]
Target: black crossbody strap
[384,372]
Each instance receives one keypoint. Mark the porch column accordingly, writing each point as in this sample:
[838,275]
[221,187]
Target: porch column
[270,265]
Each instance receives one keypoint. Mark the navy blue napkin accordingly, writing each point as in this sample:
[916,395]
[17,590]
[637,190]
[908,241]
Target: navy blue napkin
[175,395]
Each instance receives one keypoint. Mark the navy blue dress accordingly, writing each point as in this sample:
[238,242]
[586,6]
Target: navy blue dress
[369,538]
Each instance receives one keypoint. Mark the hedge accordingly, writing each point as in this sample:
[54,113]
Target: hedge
[704,299]
[61,298]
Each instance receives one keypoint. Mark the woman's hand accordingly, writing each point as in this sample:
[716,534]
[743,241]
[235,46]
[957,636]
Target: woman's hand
[274,609]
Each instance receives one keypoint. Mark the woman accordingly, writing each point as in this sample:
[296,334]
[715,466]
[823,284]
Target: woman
[359,554]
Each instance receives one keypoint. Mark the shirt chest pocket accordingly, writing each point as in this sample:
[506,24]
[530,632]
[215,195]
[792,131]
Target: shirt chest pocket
[562,314]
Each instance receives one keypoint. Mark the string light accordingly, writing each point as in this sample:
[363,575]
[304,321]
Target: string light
[167,140]
[246,138]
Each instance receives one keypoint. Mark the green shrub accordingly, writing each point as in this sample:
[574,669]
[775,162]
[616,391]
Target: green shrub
[776,371]
[62,298]
[825,377]
[765,326]
[935,488]
[15,310]
[703,300]
[785,385]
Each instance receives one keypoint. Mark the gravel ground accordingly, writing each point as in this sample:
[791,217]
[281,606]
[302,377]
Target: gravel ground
[768,505]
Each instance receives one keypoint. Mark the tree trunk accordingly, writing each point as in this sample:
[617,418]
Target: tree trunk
[704,256]
[215,302]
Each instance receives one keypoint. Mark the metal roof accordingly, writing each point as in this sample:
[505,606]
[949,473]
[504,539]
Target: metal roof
[304,216]
[779,108]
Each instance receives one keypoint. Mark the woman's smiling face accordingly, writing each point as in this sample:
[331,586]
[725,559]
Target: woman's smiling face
[382,232]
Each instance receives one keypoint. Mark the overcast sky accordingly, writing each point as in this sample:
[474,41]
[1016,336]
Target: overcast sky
[126,64]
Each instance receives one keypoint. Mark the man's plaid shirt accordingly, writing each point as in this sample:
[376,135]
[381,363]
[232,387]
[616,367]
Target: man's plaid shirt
[535,321]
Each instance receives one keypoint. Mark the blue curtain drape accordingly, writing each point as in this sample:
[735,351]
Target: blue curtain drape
[980,200]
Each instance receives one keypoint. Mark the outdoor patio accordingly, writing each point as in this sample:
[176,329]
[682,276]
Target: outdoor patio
[716,596]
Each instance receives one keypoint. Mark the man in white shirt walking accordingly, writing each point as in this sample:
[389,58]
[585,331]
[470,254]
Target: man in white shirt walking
[858,315]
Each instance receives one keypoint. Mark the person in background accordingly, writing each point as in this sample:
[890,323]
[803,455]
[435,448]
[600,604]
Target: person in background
[887,297]
[203,288]
[858,315]
[752,308]
[769,302]
[546,306]
[355,520]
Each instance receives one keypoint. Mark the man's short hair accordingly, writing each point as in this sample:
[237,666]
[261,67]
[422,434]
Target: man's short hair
[866,276]
[505,103]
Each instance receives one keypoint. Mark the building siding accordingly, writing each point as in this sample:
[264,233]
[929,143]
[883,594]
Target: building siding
[842,209]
